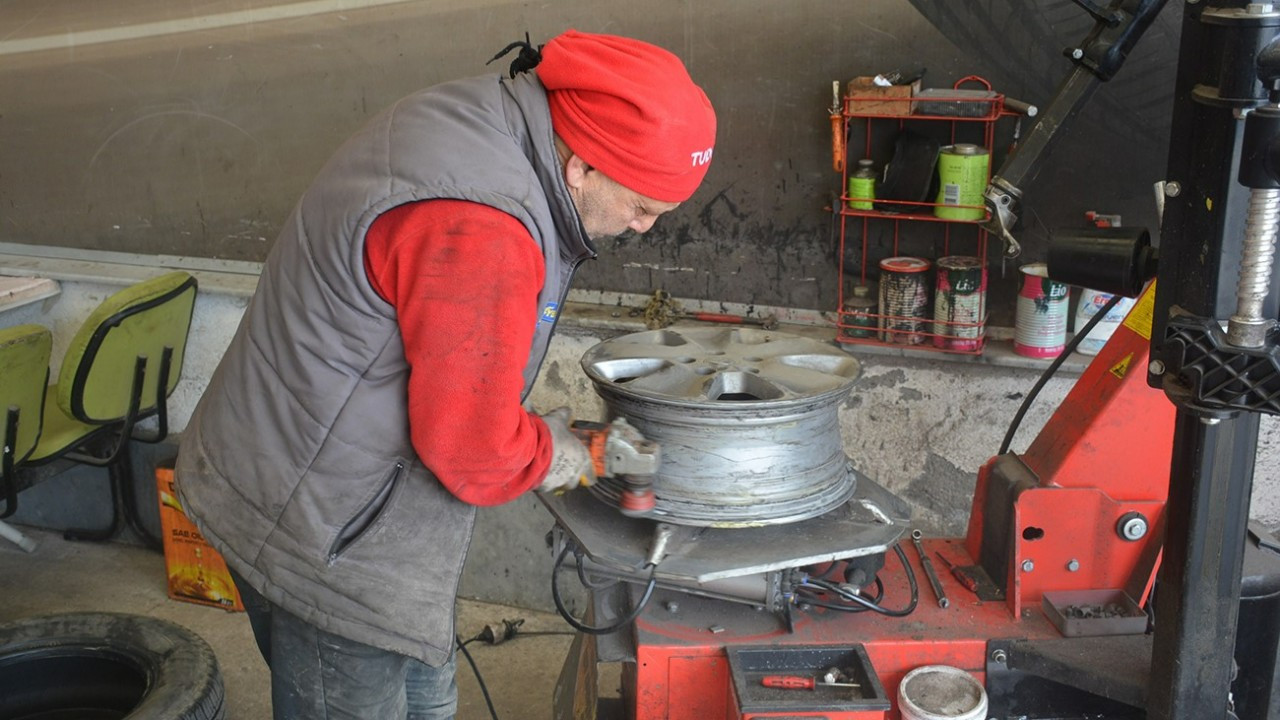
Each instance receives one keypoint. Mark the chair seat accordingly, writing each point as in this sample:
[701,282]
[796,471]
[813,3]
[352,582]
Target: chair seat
[61,432]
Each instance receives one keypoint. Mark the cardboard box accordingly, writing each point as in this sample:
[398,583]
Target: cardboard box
[197,573]
[867,98]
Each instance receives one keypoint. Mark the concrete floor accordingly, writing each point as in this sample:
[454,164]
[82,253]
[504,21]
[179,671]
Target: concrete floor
[62,576]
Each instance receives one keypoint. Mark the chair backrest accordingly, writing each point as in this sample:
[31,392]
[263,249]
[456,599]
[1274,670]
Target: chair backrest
[24,370]
[96,379]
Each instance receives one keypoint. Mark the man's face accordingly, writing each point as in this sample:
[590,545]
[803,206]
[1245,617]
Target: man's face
[608,209]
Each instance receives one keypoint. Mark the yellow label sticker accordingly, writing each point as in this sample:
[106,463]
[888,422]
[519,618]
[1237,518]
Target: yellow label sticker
[1143,313]
[1121,368]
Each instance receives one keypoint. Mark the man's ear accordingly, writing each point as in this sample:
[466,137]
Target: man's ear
[575,171]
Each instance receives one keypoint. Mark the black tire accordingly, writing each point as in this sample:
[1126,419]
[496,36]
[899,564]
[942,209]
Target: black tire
[1022,42]
[106,666]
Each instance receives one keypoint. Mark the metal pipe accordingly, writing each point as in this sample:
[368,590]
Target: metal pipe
[1247,327]
[12,534]
[1197,602]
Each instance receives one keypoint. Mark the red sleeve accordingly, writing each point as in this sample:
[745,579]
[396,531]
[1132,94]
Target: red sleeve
[464,279]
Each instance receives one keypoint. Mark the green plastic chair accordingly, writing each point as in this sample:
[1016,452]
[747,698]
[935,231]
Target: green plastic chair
[120,369]
[24,367]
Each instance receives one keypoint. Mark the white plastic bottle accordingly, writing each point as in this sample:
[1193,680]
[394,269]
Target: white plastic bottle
[1091,302]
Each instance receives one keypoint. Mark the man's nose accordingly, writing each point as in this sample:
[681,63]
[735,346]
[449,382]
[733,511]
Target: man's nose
[642,224]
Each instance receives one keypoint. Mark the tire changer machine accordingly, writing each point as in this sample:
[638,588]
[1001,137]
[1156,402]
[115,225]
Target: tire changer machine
[1104,571]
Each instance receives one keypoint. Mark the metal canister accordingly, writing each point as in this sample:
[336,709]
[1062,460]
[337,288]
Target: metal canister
[960,303]
[962,178]
[860,312]
[904,299]
[862,185]
[1040,326]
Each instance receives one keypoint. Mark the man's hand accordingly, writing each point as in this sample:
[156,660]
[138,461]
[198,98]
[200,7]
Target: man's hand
[571,464]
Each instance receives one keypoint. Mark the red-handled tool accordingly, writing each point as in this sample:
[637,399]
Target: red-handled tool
[837,128]
[768,322]
[969,583]
[795,682]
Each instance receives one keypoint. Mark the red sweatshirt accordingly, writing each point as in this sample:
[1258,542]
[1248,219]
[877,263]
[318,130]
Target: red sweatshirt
[464,280]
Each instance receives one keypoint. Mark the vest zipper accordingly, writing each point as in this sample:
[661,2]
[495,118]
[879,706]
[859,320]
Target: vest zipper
[360,523]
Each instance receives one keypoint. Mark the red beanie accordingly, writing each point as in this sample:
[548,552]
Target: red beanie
[631,110]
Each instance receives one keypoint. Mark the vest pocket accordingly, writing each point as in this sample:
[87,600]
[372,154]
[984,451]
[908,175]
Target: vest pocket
[364,519]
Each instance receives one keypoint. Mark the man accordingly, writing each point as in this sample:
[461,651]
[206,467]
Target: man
[372,395]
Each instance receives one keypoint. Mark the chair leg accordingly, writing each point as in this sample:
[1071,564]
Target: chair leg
[124,506]
[105,534]
[124,471]
[6,464]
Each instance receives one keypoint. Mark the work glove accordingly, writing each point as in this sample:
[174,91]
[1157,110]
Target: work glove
[571,464]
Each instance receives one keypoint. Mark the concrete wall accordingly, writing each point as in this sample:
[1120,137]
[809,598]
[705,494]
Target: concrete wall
[192,128]
[921,428]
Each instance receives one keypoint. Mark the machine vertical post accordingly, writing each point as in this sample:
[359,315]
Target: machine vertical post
[1197,600]
[1223,78]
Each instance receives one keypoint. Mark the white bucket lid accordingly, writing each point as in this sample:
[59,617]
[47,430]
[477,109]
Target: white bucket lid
[941,692]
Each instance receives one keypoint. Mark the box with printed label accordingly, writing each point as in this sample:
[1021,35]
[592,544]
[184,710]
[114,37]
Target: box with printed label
[197,573]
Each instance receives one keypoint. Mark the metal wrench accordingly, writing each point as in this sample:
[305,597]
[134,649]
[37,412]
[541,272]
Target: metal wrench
[943,602]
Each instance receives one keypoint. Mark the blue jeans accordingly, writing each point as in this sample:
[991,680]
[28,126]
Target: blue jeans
[316,674]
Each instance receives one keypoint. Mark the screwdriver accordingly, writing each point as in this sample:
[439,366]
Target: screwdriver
[969,583]
[795,682]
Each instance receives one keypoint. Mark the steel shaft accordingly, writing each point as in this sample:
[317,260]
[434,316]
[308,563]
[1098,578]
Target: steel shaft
[925,562]
[1248,327]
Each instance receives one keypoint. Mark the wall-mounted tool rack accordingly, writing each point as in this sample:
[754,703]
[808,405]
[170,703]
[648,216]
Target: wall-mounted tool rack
[871,120]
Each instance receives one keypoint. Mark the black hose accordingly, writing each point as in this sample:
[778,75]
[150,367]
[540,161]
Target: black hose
[876,598]
[588,629]
[586,583]
[483,688]
[869,604]
[1053,368]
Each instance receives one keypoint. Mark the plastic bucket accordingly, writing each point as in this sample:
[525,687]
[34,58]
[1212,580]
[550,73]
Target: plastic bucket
[941,692]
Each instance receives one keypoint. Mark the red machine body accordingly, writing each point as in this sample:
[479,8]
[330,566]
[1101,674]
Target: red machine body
[1099,466]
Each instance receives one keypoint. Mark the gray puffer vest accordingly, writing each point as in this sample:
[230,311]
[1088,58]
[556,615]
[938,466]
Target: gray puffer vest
[297,465]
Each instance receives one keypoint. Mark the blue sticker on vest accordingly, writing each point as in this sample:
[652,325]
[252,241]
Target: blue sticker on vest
[549,312]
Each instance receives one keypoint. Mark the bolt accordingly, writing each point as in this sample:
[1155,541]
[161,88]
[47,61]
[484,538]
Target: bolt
[1028,565]
[1074,565]
[999,656]
[672,606]
[1133,526]
[1156,367]
[1173,188]
[1076,53]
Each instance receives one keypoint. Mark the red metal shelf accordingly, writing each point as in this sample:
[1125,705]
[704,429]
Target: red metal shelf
[856,223]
